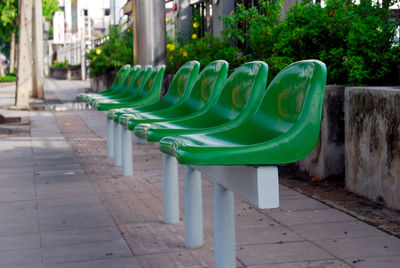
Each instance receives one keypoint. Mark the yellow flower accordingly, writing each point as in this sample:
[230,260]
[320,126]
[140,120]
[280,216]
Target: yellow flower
[171,57]
[184,54]
[167,20]
[98,51]
[196,25]
[194,36]
[170,47]
[94,58]
[129,30]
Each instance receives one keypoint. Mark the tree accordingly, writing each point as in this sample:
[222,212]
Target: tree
[8,23]
[49,8]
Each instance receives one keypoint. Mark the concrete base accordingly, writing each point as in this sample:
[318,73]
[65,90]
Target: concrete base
[372,133]
[327,159]
[103,82]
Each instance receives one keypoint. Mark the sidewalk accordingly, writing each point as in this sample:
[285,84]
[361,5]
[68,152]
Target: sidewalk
[64,204]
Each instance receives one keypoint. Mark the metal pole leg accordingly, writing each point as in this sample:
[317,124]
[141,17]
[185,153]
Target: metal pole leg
[224,227]
[110,139]
[171,189]
[127,164]
[117,144]
[193,208]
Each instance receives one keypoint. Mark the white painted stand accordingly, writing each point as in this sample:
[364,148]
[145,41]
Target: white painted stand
[171,189]
[110,138]
[193,208]
[117,144]
[224,227]
[258,185]
[127,161]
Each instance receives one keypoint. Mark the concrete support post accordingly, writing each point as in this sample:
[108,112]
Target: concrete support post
[38,55]
[24,74]
[127,164]
[224,227]
[221,8]
[117,144]
[170,189]
[193,208]
[110,138]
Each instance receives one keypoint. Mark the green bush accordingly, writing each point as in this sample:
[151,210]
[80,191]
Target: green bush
[204,50]
[356,41]
[113,54]
[60,64]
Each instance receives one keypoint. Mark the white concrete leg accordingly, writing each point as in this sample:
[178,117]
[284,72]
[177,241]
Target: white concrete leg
[171,189]
[110,139]
[127,161]
[193,208]
[224,227]
[117,144]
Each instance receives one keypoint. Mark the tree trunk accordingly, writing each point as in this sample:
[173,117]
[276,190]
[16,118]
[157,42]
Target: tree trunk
[24,71]
[12,53]
[38,61]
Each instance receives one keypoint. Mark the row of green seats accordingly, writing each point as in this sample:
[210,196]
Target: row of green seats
[235,111]
[224,119]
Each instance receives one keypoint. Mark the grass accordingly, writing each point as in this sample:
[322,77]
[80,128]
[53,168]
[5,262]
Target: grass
[8,78]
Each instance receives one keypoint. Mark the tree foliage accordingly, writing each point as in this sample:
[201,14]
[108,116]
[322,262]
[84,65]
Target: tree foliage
[354,39]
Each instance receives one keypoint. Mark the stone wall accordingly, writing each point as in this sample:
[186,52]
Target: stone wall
[327,159]
[102,82]
[372,149]
[68,73]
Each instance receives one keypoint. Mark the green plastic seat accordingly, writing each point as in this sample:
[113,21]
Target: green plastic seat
[129,87]
[148,91]
[117,83]
[284,129]
[239,99]
[205,91]
[179,90]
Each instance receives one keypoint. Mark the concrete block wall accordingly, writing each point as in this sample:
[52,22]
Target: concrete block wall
[372,149]
[327,159]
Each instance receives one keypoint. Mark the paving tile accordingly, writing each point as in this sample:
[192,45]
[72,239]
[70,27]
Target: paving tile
[300,204]
[309,216]
[20,258]
[14,242]
[58,165]
[126,262]
[73,217]
[18,218]
[71,201]
[80,236]
[61,178]
[56,173]
[63,189]
[17,193]
[265,234]
[279,253]
[188,258]
[286,193]
[16,179]
[375,262]
[8,170]
[323,231]
[308,264]
[86,252]
[360,247]
[16,163]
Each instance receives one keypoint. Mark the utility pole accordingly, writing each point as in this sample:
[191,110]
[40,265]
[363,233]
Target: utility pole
[149,28]
[38,55]
[24,74]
